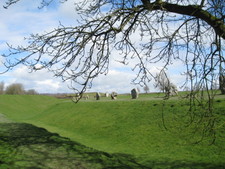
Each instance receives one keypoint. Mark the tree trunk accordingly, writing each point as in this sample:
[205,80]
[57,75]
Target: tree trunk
[222,84]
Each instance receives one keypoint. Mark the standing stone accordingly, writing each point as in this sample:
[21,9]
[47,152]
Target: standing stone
[174,91]
[98,96]
[114,95]
[76,97]
[171,90]
[134,93]
[86,97]
[106,94]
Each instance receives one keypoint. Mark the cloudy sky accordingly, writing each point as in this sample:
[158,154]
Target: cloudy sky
[25,18]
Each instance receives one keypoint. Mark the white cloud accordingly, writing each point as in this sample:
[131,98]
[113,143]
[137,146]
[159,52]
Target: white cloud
[23,19]
[49,85]
[42,81]
[67,10]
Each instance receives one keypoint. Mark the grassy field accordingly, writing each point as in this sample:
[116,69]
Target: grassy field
[126,126]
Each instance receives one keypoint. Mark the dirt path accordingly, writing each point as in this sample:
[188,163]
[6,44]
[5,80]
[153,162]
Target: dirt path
[27,146]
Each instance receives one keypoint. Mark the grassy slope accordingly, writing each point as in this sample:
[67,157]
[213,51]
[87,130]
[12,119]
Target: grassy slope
[24,107]
[25,146]
[133,127]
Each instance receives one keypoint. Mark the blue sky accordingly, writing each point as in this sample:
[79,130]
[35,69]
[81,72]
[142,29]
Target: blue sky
[25,18]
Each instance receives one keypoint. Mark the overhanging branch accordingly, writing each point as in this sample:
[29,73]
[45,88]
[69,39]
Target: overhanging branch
[191,10]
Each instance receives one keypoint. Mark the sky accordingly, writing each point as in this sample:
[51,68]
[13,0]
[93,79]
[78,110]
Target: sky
[24,18]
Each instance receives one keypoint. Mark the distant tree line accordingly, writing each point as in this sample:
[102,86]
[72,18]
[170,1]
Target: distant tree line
[15,89]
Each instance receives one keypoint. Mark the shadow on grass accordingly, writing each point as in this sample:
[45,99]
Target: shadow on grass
[27,146]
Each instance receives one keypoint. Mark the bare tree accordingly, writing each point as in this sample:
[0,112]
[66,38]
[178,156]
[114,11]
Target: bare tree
[2,85]
[162,81]
[222,82]
[15,89]
[191,31]
[31,92]
[82,53]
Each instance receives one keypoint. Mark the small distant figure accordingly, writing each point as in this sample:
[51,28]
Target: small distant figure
[97,96]
[134,93]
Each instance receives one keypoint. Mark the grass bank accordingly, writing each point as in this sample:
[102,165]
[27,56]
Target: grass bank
[25,146]
[126,126]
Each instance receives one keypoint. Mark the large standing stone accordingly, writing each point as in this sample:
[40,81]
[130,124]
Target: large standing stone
[98,96]
[134,93]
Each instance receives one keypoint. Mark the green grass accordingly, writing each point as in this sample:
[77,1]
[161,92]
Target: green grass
[26,146]
[126,126]
[22,107]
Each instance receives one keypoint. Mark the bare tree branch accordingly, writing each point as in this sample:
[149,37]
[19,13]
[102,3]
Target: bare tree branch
[191,10]
[82,53]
